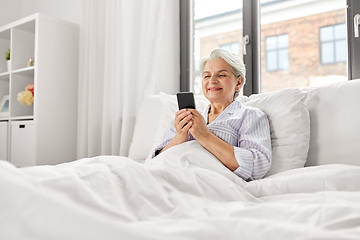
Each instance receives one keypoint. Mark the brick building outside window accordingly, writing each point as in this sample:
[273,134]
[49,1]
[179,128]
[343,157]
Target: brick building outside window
[295,52]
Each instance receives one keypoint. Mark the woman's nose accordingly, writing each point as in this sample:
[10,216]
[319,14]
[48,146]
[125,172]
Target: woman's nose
[213,79]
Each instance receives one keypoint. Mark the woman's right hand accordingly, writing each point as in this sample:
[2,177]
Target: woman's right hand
[182,123]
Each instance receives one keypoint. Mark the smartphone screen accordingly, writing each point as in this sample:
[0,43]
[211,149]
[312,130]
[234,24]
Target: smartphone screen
[185,100]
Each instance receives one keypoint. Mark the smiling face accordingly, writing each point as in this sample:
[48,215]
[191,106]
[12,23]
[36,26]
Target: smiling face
[219,82]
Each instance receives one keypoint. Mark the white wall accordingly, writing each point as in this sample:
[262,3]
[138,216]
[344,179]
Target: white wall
[168,71]
[12,10]
[69,10]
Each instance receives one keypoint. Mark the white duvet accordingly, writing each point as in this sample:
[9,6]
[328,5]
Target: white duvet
[184,193]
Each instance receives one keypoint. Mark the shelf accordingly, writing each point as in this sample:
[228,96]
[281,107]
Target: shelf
[27,27]
[4,86]
[22,118]
[23,44]
[4,76]
[28,71]
[4,46]
[53,45]
[19,80]
[5,35]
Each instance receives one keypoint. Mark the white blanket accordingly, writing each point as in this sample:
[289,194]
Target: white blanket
[184,193]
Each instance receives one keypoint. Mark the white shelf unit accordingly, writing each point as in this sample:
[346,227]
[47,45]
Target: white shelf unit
[44,133]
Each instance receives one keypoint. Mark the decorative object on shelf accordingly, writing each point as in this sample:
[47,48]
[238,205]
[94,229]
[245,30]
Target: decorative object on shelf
[4,106]
[27,97]
[30,63]
[7,57]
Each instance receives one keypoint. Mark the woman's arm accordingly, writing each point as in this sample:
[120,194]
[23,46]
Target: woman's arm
[220,149]
[251,158]
[254,146]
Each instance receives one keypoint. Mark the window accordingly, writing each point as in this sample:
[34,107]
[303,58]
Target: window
[277,52]
[303,23]
[333,44]
[290,51]
[217,24]
[232,47]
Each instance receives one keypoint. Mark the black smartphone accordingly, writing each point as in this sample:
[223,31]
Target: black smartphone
[185,100]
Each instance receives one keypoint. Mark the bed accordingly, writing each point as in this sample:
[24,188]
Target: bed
[312,190]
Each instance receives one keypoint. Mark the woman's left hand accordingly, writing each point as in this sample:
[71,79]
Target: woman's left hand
[198,129]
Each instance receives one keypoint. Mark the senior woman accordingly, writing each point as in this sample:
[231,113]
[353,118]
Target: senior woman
[236,135]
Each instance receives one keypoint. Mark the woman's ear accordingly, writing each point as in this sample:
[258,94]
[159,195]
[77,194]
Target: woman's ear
[240,81]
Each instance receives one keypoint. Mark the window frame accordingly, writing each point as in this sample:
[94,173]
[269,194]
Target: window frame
[353,8]
[186,44]
[252,60]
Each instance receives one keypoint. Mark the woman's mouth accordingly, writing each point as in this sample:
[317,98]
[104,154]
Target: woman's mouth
[214,89]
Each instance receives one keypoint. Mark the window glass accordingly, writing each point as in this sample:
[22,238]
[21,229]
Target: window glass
[277,56]
[311,43]
[283,59]
[340,31]
[341,51]
[232,47]
[283,41]
[333,50]
[327,52]
[218,24]
[326,34]
[271,60]
[303,43]
[271,43]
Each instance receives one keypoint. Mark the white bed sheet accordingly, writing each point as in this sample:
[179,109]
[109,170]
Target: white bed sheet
[184,193]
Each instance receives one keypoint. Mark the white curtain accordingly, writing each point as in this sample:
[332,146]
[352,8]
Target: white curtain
[119,51]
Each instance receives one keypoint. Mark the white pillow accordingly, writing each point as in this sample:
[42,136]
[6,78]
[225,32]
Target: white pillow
[289,127]
[147,121]
[335,129]
[242,98]
[170,107]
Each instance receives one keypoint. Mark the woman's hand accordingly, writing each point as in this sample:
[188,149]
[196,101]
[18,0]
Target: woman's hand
[199,128]
[182,124]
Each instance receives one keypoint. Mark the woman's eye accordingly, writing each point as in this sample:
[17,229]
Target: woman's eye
[206,76]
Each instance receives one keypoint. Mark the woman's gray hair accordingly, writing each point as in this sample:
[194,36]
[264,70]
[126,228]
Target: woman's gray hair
[235,62]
